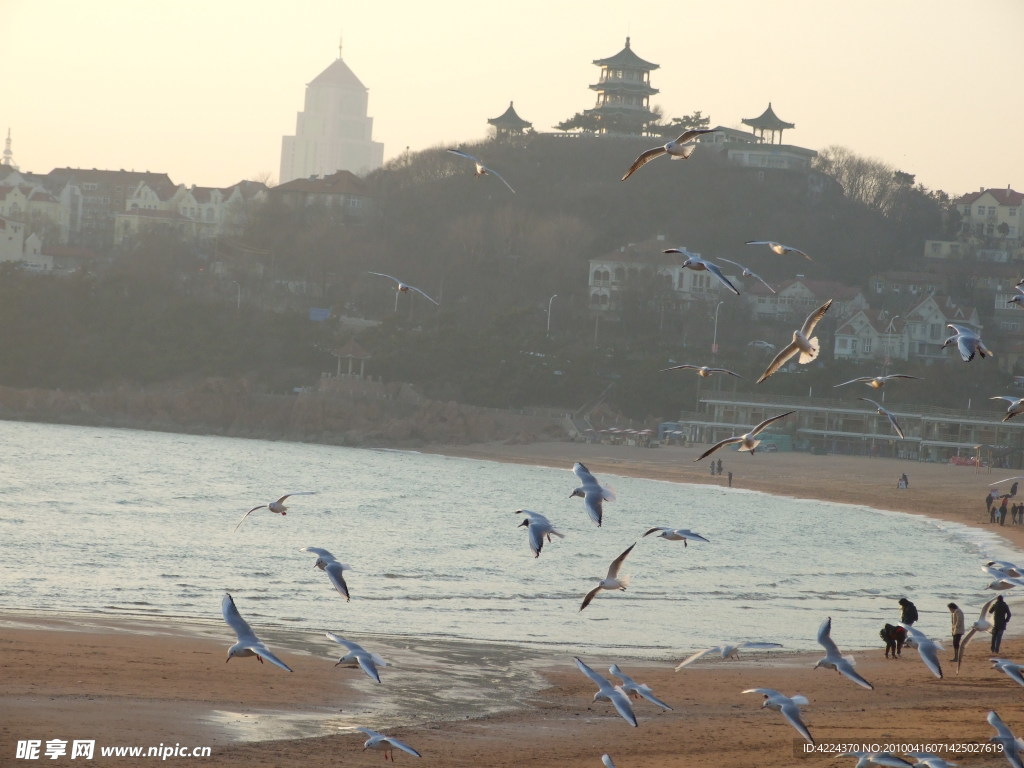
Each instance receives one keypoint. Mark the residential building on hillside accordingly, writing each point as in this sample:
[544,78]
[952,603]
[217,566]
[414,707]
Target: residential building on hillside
[795,299]
[991,228]
[332,132]
[898,283]
[18,246]
[36,207]
[871,335]
[342,191]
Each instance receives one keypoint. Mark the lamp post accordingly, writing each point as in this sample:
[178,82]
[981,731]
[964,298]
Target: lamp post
[714,336]
[238,296]
[550,302]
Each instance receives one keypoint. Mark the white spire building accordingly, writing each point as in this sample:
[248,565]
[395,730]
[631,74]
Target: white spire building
[8,156]
[333,132]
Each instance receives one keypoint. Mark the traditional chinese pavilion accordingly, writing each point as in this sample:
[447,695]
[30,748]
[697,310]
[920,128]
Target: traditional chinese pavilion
[624,93]
[768,121]
[509,123]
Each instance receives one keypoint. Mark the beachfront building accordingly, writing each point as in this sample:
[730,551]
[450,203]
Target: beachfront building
[833,425]
[623,94]
[333,132]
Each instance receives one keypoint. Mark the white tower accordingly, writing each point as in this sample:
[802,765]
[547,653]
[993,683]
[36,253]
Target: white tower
[8,158]
[333,132]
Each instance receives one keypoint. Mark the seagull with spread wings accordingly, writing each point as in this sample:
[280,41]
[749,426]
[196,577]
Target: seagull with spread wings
[612,580]
[888,414]
[748,272]
[678,149]
[608,692]
[378,740]
[540,528]
[1004,737]
[696,263]
[358,656]
[727,651]
[327,563]
[247,643]
[1015,408]
[968,342]
[481,169]
[702,370]
[876,382]
[788,706]
[803,342]
[834,659]
[927,649]
[747,441]
[635,689]
[676,534]
[403,287]
[981,625]
[277,507]
[592,492]
[779,248]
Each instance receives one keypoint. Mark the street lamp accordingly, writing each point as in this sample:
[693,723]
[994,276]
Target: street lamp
[714,337]
[550,301]
[238,296]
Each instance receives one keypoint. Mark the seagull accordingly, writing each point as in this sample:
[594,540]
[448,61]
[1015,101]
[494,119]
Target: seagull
[676,534]
[326,562]
[248,644]
[968,341]
[607,761]
[727,651]
[1007,568]
[1010,669]
[802,342]
[277,507]
[635,689]
[368,662]
[1004,737]
[981,625]
[746,441]
[378,740]
[927,648]
[789,706]
[609,692]
[1017,298]
[594,494]
[888,759]
[696,263]
[483,170]
[1016,407]
[680,149]
[402,287]
[834,659]
[929,760]
[612,580]
[702,370]
[779,248]
[876,382]
[747,272]
[539,528]
[888,414]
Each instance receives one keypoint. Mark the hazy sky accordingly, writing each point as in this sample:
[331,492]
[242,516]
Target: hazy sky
[204,91]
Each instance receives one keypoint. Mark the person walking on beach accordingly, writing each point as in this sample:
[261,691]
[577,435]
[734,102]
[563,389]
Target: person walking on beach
[1002,508]
[956,628]
[908,614]
[719,466]
[990,501]
[730,479]
[1000,618]
[1013,489]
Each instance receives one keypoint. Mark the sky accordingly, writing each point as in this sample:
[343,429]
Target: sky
[204,91]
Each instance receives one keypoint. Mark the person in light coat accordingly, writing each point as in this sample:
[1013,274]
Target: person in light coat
[956,628]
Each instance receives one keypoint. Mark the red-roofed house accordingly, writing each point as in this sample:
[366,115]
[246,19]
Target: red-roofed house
[796,299]
[986,210]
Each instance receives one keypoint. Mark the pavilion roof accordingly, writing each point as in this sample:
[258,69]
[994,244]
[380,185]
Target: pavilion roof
[625,59]
[767,121]
[509,119]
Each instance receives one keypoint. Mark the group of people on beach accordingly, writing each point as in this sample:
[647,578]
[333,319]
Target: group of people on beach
[895,635]
[997,513]
[716,469]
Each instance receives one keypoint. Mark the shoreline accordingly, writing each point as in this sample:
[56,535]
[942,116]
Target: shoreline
[118,681]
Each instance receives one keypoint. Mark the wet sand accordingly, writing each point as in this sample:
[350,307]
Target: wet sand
[146,683]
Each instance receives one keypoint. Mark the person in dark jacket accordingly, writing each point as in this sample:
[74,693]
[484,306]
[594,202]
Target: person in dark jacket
[894,638]
[990,505]
[1000,618]
[908,614]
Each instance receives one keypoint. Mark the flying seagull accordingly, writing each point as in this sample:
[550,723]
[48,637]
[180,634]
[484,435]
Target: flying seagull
[248,644]
[876,382]
[927,648]
[277,507]
[696,263]
[747,272]
[779,248]
[481,169]
[789,706]
[747,441]
[593,493]
[327,563]
[1004,737]
[378,740]
[676,534]
[981,625]
[967,341]
[403,287]
[540,528]
[609,692]
[727,651]
[680,149]
[702,370]
[357,655]
[635,689]
[888,414]
[1010,669]
[612,580]
[803,342]
[1016,407]
[834,659]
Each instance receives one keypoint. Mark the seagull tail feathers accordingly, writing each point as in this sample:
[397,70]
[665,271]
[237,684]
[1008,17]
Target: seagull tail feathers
[752,446]
[806,357]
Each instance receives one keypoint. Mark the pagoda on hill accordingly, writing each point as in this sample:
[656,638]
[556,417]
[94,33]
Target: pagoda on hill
[509,124]
[768,121]
[623,93]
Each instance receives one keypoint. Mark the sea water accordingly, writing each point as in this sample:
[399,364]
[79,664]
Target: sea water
[142,524]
